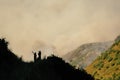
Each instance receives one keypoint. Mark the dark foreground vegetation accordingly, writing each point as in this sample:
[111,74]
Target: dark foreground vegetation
[52,68]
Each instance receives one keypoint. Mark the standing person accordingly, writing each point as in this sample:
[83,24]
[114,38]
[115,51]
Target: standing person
[35,56]
[39,55]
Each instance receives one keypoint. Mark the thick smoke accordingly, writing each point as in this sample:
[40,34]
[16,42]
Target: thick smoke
[59,26]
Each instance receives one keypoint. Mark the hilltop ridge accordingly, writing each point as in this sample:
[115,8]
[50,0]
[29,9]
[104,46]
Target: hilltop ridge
[51,68]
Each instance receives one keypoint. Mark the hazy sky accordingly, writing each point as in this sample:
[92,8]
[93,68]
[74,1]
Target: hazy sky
[57,26]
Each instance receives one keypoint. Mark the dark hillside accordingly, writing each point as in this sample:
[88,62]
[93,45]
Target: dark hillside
[52,68]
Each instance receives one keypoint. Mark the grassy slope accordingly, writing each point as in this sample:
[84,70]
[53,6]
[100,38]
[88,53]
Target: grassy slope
[107,66]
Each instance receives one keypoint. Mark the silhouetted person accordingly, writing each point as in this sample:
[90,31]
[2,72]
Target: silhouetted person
[39,55]
[35,56]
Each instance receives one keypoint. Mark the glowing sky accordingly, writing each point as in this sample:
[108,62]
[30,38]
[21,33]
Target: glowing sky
[57,26]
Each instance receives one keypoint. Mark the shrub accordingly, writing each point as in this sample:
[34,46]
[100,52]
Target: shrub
[109,78]
[117,69]
[112,64]
[99,65]
[94,73]
[117,54]
[107,67]
[117,77]
[115,58]
[110,51]
[118,62]
[104,55]
[109,59]
[114,76]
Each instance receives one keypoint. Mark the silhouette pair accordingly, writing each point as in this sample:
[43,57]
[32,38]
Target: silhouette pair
[35,56]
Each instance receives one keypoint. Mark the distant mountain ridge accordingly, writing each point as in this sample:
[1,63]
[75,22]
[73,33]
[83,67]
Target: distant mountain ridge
[86,53]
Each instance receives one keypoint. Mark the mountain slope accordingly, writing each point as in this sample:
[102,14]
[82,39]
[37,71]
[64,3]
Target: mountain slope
[107,66]
[85,54]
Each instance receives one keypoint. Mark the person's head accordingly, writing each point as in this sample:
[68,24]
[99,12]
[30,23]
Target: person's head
[39,53]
